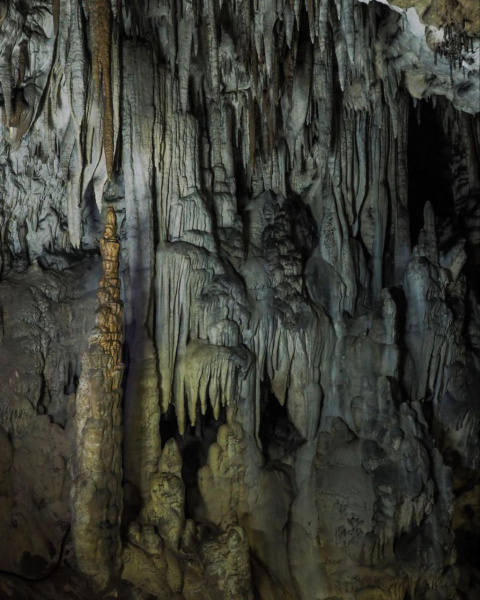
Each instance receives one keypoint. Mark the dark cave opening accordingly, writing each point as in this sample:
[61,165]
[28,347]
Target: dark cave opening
[193,446]
[431,157]
[279,437]
[429,174]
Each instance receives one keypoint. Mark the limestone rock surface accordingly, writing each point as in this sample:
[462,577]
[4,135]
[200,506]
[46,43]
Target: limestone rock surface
[270,392]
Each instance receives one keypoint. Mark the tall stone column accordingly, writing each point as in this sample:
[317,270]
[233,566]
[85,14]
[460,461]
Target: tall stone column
[97,487]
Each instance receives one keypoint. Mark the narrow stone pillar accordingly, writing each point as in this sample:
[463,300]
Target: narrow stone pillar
[97,483]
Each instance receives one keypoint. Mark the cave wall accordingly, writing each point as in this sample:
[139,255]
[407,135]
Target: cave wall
[297,199]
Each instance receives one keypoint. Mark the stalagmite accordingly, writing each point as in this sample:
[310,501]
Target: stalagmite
[97,477]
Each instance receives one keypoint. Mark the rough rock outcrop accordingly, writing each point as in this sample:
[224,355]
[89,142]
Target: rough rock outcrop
[45,320]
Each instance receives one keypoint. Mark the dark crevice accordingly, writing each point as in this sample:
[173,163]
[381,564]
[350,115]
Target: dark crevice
[279,437]
[44,398]
[193,446]
[429,175]
[91,218]
[72,381]
[168,425]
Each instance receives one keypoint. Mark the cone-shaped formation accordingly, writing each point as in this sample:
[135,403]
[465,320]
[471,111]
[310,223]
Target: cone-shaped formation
[100,32]
[97,489]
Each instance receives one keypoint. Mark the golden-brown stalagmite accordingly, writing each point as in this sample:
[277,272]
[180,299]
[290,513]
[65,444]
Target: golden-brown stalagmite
[97,486]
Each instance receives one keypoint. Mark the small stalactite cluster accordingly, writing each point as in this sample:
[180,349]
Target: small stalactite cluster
[97,486]
[456,42]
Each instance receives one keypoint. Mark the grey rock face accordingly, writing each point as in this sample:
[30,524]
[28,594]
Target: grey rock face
[46,317]
[296,187]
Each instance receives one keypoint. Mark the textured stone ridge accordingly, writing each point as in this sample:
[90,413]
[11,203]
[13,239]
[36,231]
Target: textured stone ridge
[463,13]
[97,481]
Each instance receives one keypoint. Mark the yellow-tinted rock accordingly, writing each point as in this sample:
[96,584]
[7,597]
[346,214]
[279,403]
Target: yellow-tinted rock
[97,496]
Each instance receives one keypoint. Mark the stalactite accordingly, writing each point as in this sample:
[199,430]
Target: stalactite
[101,34]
